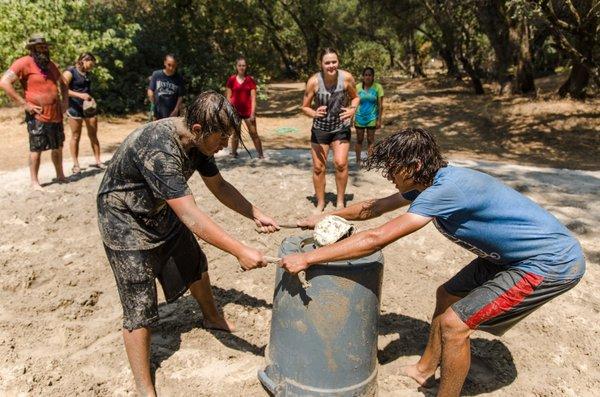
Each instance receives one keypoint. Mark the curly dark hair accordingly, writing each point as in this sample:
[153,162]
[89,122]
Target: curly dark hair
[214,113]
[412,151]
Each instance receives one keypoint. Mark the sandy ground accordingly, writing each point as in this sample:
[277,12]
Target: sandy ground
[60,316]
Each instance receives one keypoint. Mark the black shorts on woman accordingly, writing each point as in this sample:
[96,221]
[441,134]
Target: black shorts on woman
[330,128]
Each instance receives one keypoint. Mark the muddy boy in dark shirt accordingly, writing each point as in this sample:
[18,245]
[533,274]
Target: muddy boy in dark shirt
[148,217]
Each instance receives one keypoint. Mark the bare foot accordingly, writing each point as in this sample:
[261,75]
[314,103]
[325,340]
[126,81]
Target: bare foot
[320,208]
[219,324]
[36,186]
[340,205]
[424,379]
[61,179]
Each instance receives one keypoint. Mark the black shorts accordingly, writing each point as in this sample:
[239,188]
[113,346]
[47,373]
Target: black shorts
[495,298]
[75,112]
[176,264]
[326,138]
[44,136]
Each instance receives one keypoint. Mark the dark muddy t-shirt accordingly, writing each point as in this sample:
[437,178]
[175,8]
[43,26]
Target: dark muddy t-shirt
[149,168]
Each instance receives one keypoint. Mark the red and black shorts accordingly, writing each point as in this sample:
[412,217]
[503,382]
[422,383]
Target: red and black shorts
[495,298]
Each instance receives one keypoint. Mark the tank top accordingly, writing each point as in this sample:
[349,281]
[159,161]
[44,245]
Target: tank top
[335,99]
[79,83]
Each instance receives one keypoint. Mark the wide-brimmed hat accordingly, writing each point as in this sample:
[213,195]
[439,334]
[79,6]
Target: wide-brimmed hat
[36,38]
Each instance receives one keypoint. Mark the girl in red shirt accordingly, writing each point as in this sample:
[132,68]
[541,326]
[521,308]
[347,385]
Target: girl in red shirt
[241,92]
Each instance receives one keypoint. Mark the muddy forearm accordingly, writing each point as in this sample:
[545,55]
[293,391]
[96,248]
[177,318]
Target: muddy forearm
[205,228]
[232,198]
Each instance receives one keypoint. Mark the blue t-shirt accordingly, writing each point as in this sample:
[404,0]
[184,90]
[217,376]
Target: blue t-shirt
[368,107]
[497,223]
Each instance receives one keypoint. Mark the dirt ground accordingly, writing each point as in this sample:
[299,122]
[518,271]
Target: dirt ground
[60,316]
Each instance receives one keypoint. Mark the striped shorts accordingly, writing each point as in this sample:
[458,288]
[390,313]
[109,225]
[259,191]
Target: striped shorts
[495,298]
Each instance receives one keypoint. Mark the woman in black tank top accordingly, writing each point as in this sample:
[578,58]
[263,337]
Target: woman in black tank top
[334,92]
[82,107]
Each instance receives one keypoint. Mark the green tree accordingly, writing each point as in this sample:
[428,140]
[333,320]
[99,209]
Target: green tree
[73,26]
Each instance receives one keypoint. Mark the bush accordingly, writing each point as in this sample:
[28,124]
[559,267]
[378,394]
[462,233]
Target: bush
[73,26]
[365,53]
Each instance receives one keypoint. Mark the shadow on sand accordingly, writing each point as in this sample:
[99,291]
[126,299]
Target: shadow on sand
[492,365]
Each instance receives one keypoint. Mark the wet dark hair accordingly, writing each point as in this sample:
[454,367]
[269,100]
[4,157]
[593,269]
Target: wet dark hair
[172,56]
[325,51]
[85,56]
[368,69]
[214,113]
[412,151]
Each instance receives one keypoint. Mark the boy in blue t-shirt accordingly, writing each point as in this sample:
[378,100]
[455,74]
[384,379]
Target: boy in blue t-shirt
[525,256]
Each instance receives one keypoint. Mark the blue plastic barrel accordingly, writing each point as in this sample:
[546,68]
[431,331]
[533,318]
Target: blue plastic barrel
[323,338]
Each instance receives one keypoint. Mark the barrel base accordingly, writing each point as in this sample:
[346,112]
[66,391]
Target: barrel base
[290,388]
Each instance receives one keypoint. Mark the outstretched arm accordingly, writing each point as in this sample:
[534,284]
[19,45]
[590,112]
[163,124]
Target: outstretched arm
[202,226]
[359,244]
[227,194]
[361,211]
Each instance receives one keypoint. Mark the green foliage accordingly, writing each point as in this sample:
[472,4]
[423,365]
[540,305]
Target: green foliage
[74,26]
[366,53]
[279,38]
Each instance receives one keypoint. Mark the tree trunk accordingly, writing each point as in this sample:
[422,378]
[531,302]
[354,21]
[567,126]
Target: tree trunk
[268,21]
[477,86]
[414,58]
[390,51]
[576,83]
[525,82]
[492,18]
[312,51]
[452,69]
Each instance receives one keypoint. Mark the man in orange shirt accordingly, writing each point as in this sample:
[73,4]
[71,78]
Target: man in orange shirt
[44,107]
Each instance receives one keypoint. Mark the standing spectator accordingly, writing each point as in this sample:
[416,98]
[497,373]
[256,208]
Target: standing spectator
[44,106]
[334,91]
[166,89]
[241,92]
[369,112]
[82,106]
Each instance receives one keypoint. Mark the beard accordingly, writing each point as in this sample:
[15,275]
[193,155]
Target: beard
[42,59]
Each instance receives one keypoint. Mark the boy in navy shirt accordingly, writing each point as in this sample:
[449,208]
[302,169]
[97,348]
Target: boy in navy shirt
[525,256]
[166,89]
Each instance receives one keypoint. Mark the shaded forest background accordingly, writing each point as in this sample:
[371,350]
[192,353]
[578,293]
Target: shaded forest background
[509,42]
